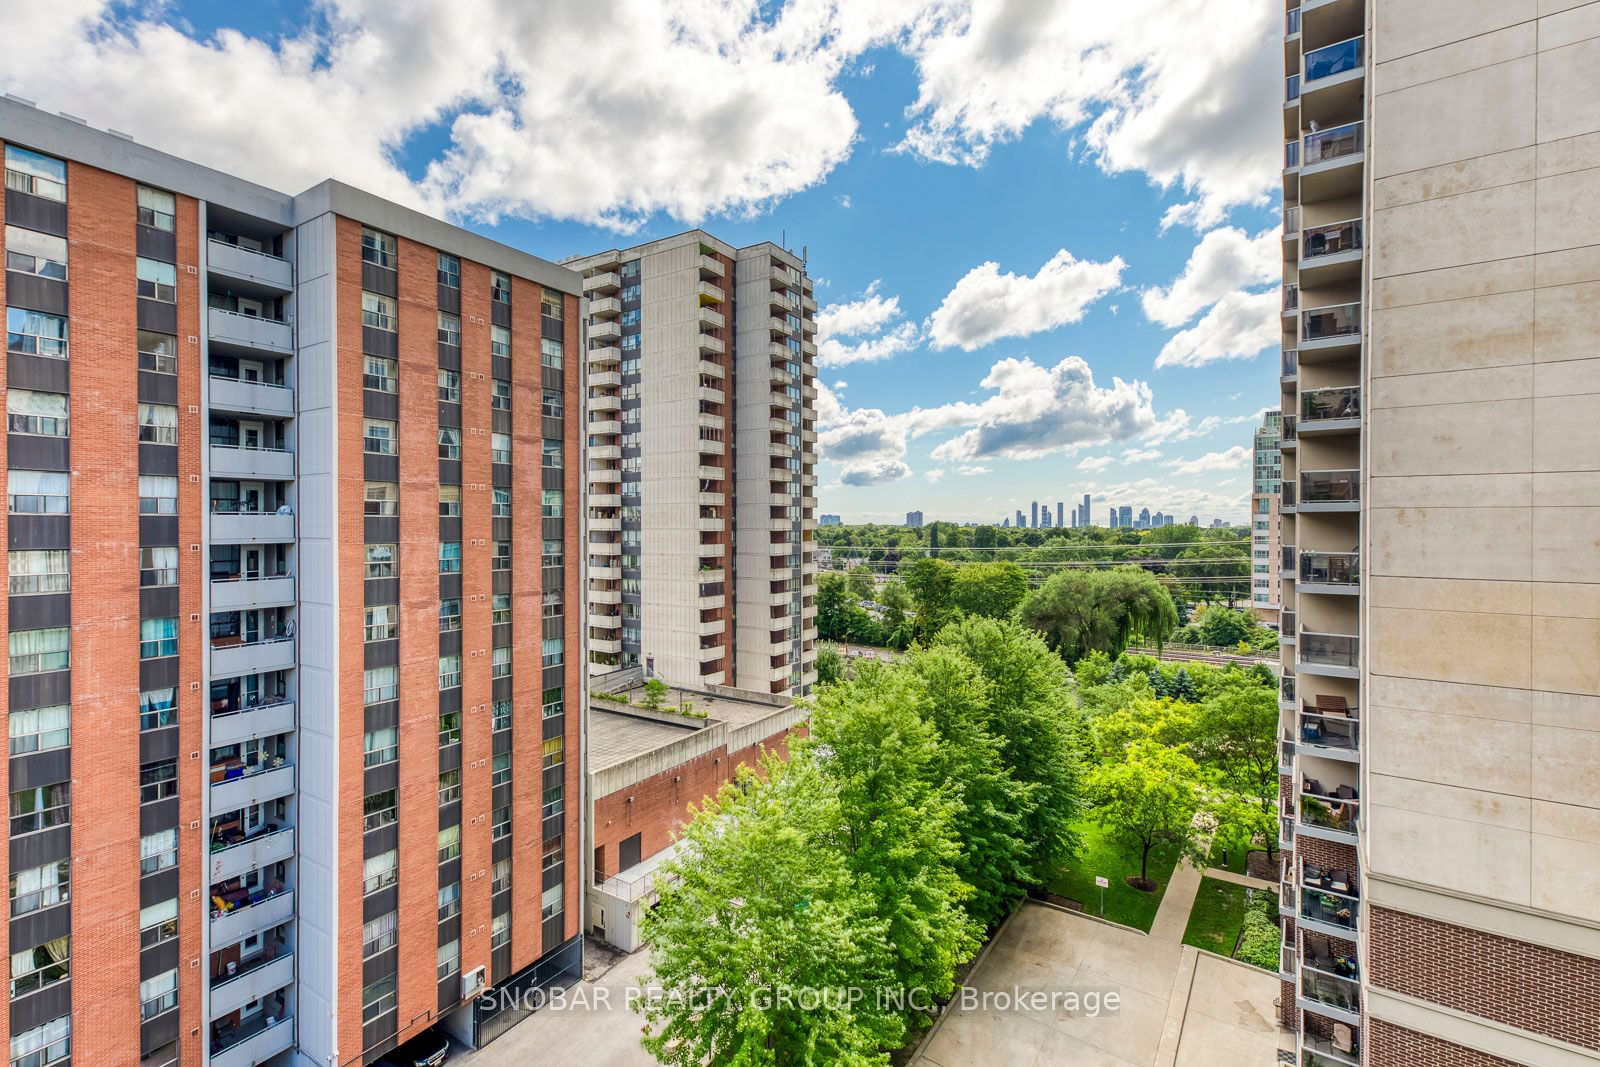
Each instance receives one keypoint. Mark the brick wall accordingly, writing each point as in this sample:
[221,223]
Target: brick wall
[1537,989]
[1389,1045]
[5,622]
[576,672]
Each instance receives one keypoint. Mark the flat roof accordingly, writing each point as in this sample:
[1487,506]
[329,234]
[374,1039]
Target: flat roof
[616,737]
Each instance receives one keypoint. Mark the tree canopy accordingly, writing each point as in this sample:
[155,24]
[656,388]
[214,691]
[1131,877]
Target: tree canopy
[1084,611]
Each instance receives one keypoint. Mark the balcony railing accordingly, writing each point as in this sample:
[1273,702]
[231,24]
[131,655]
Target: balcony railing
[1286,688]
[1330,240]
[1291,297]
[1333,59]
[1329,731]
[1286,626]
[1291,88]
[1330,568]
[1289,433]
[1324,146]
[1288,557]
[1329,908]
[225,1038]
[1286,495]
[1323,1052]
[1330,650]
[1291,25]
[1291,362]
[1336,992]
[1339,402]
[1330,487]
[1329,806]
[1321,324]
[1291,155]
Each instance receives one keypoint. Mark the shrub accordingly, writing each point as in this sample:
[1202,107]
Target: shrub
[1259,945]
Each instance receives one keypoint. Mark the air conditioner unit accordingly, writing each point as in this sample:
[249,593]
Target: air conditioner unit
[472,983]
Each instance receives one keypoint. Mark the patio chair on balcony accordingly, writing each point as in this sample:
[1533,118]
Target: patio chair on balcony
[1327,705]
[1345,792]
[1339,880]
[1344,1039]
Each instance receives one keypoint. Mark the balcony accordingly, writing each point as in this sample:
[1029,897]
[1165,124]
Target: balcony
[1323,907]
[1291,298]
[253,398]
[249,331]
[254,1041]
[711,265]
[1329,655]
[251,914]
[1288,434]
[604,331]
[1290,366]
[604,356]
[251,527]
[1286,690]
[1287,634]
[1333,809]
[605,644]
[263,720]
[605,476]
[1330,572]
[1330,411]
[1330,253]
[1330,162]
[602,284]
[1342,60]
[605,524]
[1323,991]
[1291,22]
[238,594]
[1334,733]
[604,307]
[709,293]
[1329,331]
[234,461]
[231,859]
[1286,560]
[1286,494]
[715,346]
[253,979]
[1291,89]
[1342,1050]
[242,791]
[712,319]
[246,264]
[1338,490]
[605,596]
[253,657]
[605,427]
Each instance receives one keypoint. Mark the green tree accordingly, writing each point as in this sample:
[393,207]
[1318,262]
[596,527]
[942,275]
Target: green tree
[992,590]
[759,902]
[1222,626]
[1082,611]
[830,664]
[1149,797]
[861,583]
[1236,735]
[897,608]
[833,600]
[655,692]
[929,581]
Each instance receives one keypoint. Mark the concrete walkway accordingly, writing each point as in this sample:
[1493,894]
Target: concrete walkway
[1172,917]
[1240,879]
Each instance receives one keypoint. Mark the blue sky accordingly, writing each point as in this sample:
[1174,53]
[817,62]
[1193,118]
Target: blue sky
[1117,167]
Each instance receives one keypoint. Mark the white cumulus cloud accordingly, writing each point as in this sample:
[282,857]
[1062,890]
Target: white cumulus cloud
[1139,455]
[1239,326]
[1235,459]
[1095,463]
[1225,260]
[864,330]
[986,305]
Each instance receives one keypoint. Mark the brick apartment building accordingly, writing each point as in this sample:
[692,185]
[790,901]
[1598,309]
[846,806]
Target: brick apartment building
[294,689]
[1441,695]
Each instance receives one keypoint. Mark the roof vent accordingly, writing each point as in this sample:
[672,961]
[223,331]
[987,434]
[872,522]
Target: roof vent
[21,99]
[73,118]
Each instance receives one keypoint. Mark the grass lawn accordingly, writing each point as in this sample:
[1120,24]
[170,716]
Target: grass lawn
[1099,856]
[1217,918]
[1234,862]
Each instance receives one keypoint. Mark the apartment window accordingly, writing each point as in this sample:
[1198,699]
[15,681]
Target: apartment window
[380,935]
[550,304]
[157,209]
[554,803]
[380,561]
[449,787]
[501,880]
[501,665]
[41,729]
[158,923]
[500,716]
[158,995]
[43,1046]
[42,414]
[630,293]
[500,931]
[158,638]
[500,447]
[42,492]
[158,566]
[500,823]
[378,809]
[450,557]
[501,560]
[158,495]
[449,387]
[552,703]
[553,651]
[32,252]
[380,746]
[449,329]
[449,271]
[33,333]
[378,999]
[500,772]
[550,903]
[156,280]
[500,503]
[40,651]
[449,501]
[449,901]
[158,708]
[554,553]
[499,287]
[39,571]
[550,353]
[158,781]
[449,671]
[29,172]
[380,375]
[382,500]
[40,808]
[500,610]
[158,424]
[380,872]
[551,405]
[39,967]
[158,851]
[380,437]
[449,728]
[500,342]
[378,311]
[550,604]
[378,248]
[158,352]
[449,442]
[449,959]
[500,394]
[382,622]
[378,685]
[449,843]
[38,888]
[554,751]
[550,503]
[551,453]
[449,615]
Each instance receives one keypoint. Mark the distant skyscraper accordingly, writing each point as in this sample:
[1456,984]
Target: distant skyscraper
[1158,519]
[1111,520]
[1022,520]
[1061,514]
[914,518]
[1033,523]
[1124,516]
[828,520]
[1144,519]
[1005,524]
[1083,512]
[1194,520]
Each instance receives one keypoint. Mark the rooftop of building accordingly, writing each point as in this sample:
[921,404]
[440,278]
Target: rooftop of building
[619,733]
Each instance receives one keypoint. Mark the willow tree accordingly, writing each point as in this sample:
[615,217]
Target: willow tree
[1081,611]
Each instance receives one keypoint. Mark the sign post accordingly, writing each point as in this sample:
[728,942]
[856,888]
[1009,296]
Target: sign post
[1102,883]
